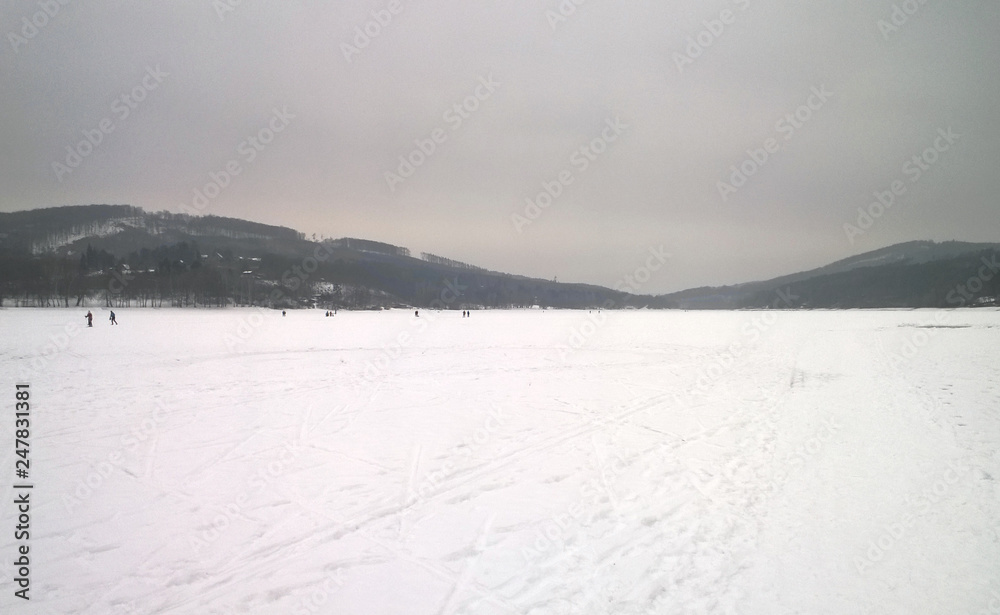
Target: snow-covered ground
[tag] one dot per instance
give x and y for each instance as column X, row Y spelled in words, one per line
column 233, row 461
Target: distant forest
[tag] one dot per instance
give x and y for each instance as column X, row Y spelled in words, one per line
column 184, row 275
column 122, row 256
column 172, row 275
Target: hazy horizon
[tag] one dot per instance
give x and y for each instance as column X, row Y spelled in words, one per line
column 564, row 139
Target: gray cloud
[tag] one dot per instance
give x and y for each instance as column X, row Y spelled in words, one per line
column 657, row 185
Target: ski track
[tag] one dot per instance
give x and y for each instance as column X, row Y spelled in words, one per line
column 483, row 470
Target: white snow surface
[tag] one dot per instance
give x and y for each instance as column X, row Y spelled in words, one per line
column 528, row 462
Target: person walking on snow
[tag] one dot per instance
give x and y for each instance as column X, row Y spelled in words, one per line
column 113, row 320
column 90, row 319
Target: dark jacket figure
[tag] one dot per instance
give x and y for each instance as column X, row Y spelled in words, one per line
column 113, row 320
column 90, row 319
column 282, row 312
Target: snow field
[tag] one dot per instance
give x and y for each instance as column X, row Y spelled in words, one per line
column 238, row 461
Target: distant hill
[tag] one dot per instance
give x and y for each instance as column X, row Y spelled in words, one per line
column 913, row 274
column 121, row 255
column 120, row 229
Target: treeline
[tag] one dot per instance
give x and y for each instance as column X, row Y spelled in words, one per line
column 172, row 275
column 186, row 274
column 367, row 245
column 447, row 262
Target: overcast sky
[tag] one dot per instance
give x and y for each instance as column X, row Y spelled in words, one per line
column 641, row 108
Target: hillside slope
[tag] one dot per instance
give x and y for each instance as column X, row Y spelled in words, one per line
column 913, row 274
column 123, row 255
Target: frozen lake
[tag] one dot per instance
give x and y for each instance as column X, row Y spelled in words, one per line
column 198, row 461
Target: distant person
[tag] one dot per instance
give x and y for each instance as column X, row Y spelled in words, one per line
column 282, row 312
column 113, row 320
column 416, row 313
column 90, row 319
